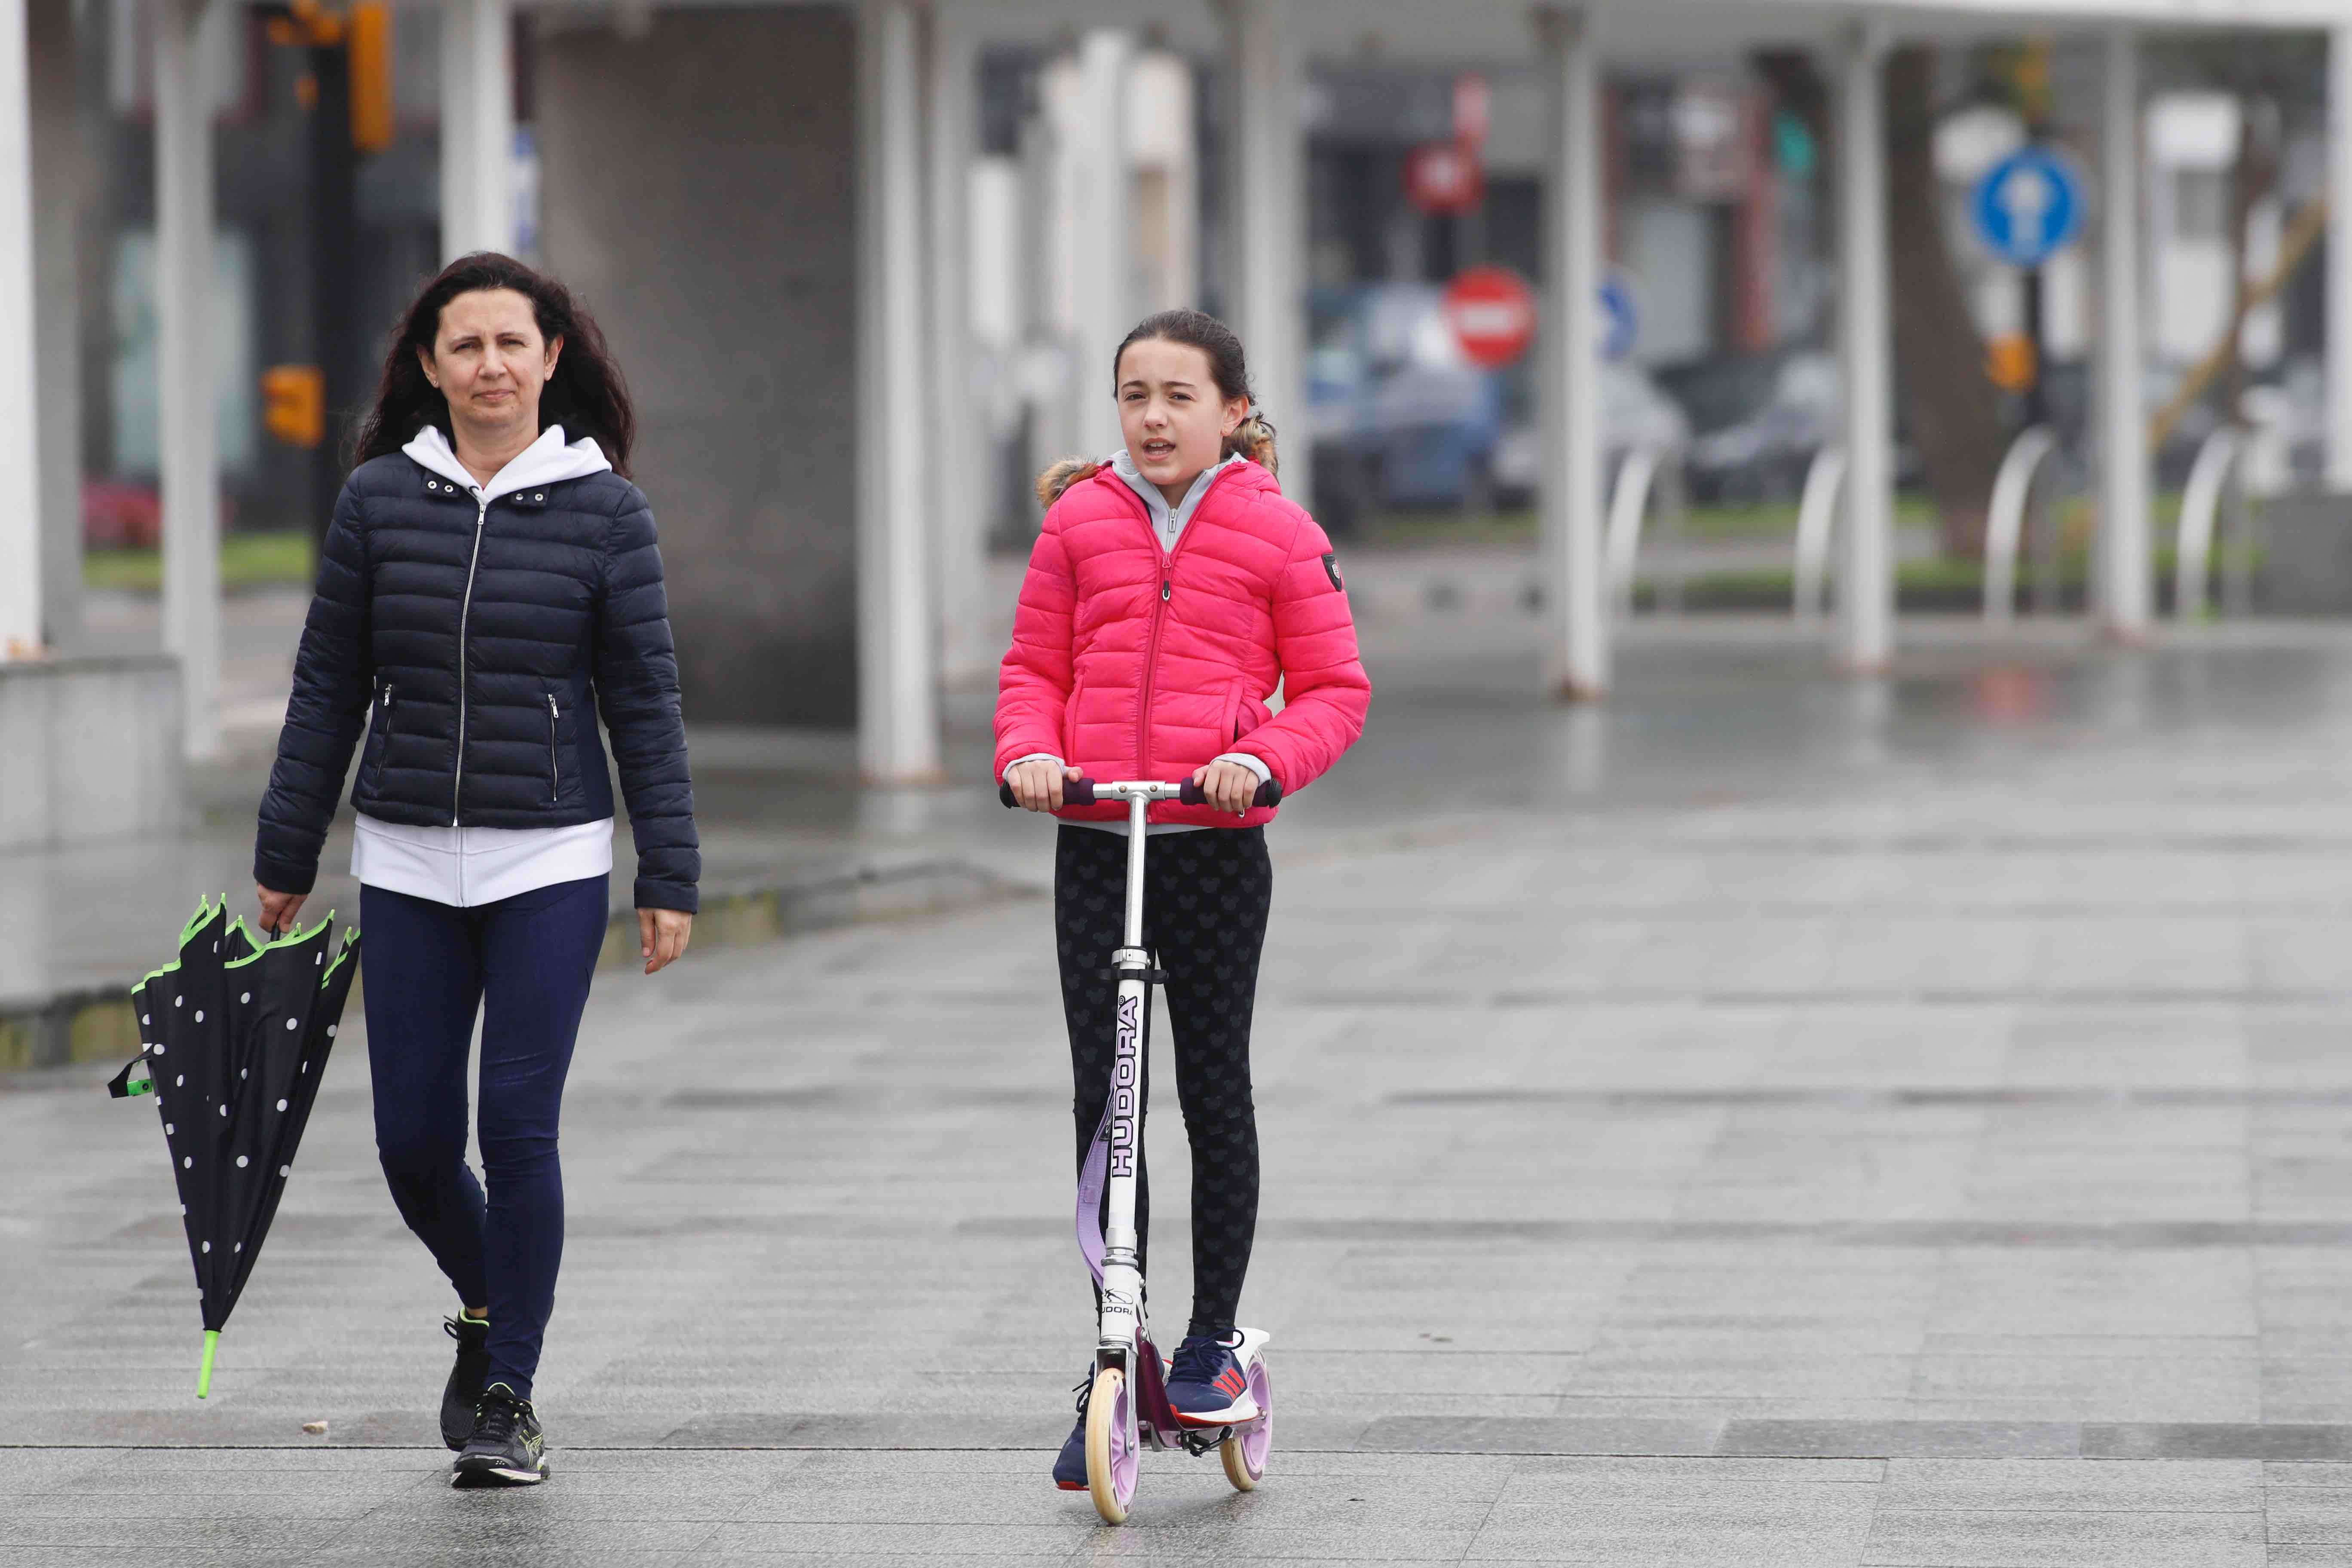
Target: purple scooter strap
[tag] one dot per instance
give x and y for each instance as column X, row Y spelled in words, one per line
column 1091, row 1177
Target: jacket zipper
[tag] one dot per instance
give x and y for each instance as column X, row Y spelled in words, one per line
column 1159, row 615
column 554, row 757
column 384, row 752
column 465, row 612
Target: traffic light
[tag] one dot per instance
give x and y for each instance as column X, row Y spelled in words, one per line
column 368, row 53
column 364, row 33
column 2012, row 362
column 294, row 404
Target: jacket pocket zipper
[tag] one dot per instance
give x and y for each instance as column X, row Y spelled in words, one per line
column 554, row 753
column 383, row 751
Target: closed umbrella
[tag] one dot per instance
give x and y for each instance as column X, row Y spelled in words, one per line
column 236, row 1033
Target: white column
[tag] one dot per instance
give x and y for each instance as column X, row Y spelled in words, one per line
column 476, row 127
column 1104, row 271
column 1575, row 607
column 2123, row 555
column 57, row 182
column 1267, row 220
column 897, row 705
column 2339, row 258
column 1866, row 587
column 961, row 470
column 183, row 280
column 20, row 488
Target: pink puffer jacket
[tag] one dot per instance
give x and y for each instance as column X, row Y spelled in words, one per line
column 1131, row 663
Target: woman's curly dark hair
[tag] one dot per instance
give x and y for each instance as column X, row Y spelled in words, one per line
column 585, row 395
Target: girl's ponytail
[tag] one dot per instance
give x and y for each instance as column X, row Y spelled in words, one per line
column 1062, row 476
column 1254, row 439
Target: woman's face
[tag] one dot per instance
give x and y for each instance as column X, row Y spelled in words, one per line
column 491, row 363
column 1170, row 412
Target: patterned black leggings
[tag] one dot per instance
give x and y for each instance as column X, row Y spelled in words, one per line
column 1204, row 907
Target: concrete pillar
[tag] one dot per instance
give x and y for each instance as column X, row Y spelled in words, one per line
column 2339, row 258
column 1575, row 605
column 1103, row 270
column 183, row 277
column 897, row 703
column 476, row 127
column 960, row 477
column 1267, row 220
column 2125, row 559
column 20, row 490
column 1866, row 584
column 1163, row 147
column 57, row 164
column 718, row 294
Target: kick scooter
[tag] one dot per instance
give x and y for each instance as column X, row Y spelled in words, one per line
column 1127, row 1405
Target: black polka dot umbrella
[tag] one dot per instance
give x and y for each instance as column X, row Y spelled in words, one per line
column 237, row 1032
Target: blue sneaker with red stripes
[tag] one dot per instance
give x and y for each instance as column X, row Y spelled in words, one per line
column 1207, row 1384
column 1070, row 1464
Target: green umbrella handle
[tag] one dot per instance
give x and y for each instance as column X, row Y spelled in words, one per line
column 204, row 1373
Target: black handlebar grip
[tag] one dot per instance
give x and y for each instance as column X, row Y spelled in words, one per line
column 1268, row 793
column 1075, row 792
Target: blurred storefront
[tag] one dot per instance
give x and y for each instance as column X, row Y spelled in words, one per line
column 867, row 264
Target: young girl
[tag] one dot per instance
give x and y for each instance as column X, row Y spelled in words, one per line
column 1171, row 590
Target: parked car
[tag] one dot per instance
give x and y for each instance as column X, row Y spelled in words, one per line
column 1398, row 417
column 1762, row 418
column 1763, row 454
column 1634, row 413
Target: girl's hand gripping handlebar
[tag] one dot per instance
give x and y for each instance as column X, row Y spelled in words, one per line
column 1085, row 792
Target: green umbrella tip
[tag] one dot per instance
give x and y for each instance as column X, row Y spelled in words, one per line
column 204, row 1373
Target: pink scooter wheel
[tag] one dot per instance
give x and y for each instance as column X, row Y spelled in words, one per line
column 1111, row 1457
column 1245, row 1451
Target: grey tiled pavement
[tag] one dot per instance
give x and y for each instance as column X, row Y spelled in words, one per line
column 1772, row 1120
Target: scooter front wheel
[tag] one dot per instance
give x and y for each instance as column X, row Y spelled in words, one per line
column 1245, row 1451
column 1111, row 1445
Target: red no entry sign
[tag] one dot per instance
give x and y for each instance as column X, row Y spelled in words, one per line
column 1444, row 178
column 1493, row 314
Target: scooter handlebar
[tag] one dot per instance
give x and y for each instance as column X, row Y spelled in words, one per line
column 1081, row 792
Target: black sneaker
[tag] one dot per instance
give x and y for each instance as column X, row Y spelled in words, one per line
column 1070, row 1464
column 465, row 1389
column 508, row 1448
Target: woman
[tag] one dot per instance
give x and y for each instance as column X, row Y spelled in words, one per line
column 1169, row 593
column 489, row 576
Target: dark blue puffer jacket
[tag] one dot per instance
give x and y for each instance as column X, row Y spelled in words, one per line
column 474, row 678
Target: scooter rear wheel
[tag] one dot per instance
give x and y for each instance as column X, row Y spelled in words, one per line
column 1244, row 1453
column 1111, row 1445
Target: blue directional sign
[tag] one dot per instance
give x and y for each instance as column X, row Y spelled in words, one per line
column 1621, row 321
column 2029, row 206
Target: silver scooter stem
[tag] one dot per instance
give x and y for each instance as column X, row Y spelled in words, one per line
column 1122, row 1281
column 1136, row 831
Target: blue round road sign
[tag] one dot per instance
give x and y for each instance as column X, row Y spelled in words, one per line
column 2029, row 206
column 1621, row 317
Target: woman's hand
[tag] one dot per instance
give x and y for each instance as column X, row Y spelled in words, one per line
column 1038, row 785
column 278, row 909
column 1228, row 786
column 662, row 936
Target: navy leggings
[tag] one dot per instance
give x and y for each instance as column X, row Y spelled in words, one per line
column 430, row 968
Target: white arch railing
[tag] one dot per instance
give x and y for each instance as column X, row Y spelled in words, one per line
column 2012, row 495
column 2220, row 461
column 1816, row 521
column 1629, row 503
